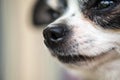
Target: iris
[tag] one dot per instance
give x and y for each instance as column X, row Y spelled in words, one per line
column 104, row 4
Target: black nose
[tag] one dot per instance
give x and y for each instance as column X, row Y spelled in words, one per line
column 55, row 33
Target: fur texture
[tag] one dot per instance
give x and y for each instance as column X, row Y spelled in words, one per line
column 92, row 46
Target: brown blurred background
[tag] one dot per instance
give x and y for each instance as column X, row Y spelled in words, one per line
column 23, row 54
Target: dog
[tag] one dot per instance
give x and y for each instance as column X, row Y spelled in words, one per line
column 85, row 37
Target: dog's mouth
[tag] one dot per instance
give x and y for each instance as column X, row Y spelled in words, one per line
column 74, row 58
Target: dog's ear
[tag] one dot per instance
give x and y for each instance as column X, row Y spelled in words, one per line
column 43, row 14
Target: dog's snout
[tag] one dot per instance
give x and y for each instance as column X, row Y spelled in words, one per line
column 55, row 33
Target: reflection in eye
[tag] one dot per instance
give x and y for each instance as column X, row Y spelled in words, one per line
column 103, row 4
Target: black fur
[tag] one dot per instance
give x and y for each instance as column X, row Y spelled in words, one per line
column 44, row 14
column 107, row 18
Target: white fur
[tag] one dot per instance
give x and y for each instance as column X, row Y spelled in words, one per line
column 101, row 41
column 53, row 4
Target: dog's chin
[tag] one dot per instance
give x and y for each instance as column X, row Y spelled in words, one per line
column 73, row 59
column 65, row 57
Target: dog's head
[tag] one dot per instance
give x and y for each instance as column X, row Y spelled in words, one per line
column 86, row 34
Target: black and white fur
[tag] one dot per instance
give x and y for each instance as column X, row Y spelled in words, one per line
column 92, row 44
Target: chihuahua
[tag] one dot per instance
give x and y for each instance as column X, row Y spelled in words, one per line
column 84, row 35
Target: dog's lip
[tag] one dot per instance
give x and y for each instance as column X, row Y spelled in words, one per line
column 73, row 58
column 69, row 58
column 77, row 58
column 80, row 58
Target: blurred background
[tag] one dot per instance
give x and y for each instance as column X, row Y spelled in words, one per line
column 23, row 56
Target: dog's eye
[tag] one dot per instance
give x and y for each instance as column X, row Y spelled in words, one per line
column 104, row 4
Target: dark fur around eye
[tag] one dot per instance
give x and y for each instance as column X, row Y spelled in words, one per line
column 63, row 5
column 39, row 13
column 43, row 14
column 108, row 18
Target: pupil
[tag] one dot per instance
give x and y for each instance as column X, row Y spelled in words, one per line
column 105, row 4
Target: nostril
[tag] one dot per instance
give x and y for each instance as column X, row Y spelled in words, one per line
column 54, row 34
